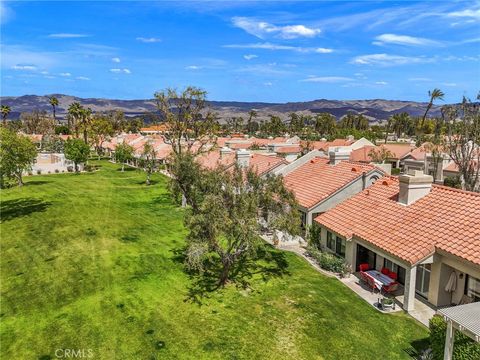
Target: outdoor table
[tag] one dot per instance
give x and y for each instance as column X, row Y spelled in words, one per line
column 380, row 279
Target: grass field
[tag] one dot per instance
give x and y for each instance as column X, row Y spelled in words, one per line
column 93, row 261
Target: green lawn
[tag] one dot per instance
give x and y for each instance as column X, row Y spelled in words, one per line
column 93, row 261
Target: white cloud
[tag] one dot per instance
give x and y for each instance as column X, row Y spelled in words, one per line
column 268, row 83
column 116, row 59
column 270, row 46
column 467, row 13
column 419, row 79
column 381, row 83
column 389, row 60
column 249, row 57
column 65, row 74
column 404, row 40
column 67, row 36
column 44, row 72
column 327, row 79
column 24, row 67
column 148, row 40
column 6, row 13
column 82, row 78
column 118, row 71
column 449, row 84
column 193, row 67
column 261, row 29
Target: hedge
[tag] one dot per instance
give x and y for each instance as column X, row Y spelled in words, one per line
column 464, row 348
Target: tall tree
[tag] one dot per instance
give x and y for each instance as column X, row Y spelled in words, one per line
column 77, row 151
column 17, row 155
column 85, row 122
column 123, row 153
column 252, row 114
column 37, row 122
column 100, row 128
column 226, row 223
column 74, row 113
column 5, row 109
column 380, row 155
column 148, row 159
column 325, row 124
column 191, row 125
column 54, row 103
column 435, row 94
column 463, row 139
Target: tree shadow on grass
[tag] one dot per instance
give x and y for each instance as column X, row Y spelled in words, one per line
column 267, row 263
column 12, row 209
column 417, row 347
column 36, row 182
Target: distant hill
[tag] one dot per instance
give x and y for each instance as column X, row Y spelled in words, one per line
column 375, row 110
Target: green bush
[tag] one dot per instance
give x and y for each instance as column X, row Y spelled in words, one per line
column 396, row 171
column 328, row 261
column 464, row 347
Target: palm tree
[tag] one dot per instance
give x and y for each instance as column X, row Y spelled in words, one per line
column 251, row 114
column 85, row 120
column 5, row 111
column 74, row 113
column 54, row 102
column 435, row 94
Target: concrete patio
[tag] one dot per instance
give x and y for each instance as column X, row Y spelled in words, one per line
column 422, row 312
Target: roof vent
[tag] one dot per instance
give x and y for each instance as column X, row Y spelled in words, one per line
column 413, row 187
column 243, row 158
column 225, row 151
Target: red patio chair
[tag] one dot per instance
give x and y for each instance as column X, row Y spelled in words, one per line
column 385, row 271
column 364, row 277
column 390, row 288
column 371, row 282
column 364, row 267
column 393, row 275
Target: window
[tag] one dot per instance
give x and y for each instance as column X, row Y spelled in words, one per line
column 330, row 243
column 472, row 288
column 340, row 247
column 390, row 265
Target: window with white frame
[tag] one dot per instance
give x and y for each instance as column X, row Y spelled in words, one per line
column 472, row 288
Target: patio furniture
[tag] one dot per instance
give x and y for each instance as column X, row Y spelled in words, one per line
column 371, row 283
column 385, row 271
column 364, row 277
column 387, row 303
column 364, row 267
column 392, row 275
column 391, row 288
column 379, row 278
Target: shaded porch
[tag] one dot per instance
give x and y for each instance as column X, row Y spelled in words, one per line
column 422, row 311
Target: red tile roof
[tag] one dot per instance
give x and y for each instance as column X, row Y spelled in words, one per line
column 443, row 219
column 324, row 145
column 398, row 150
column 315, row 180
column 362, row 154
column 260, row 163
column 289, row 149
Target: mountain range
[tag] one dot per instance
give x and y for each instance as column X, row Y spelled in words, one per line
column 375, row 110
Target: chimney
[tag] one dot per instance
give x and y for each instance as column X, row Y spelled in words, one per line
column 225, row 151
column 338, row 155
column 413, row 187
column 350, row 138
column 243, row 158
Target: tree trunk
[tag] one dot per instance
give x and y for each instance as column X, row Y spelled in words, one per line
column 123, row 167
column 19, row 179
column 85, row 136
column 148, row 178
column 225, row 271
column 76, row 167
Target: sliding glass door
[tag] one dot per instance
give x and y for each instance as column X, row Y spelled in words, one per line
column 423, row 279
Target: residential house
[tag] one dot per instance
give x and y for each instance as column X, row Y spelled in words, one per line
column 319, row 182
column 424, row 233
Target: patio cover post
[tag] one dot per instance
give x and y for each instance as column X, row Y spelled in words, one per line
column 449, row 340
column 409, row 293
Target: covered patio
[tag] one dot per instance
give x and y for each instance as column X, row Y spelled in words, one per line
column 464, row 318
column 423, row 311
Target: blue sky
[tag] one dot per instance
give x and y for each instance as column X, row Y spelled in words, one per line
column 242, row 51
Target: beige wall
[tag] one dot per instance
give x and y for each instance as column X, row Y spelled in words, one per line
column 442, row 267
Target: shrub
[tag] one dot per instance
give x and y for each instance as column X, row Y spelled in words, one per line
column 328, row 261
column 39, row 172
column 453, row 181
column 464, row 347
column 70, row 168
column 396, row 171
column 57, row 171
column 49, row 172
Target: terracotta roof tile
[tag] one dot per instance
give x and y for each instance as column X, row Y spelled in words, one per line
column 317, row 179
column 443, row 219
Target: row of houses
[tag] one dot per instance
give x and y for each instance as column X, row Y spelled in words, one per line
column 423, row 232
